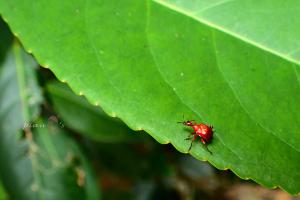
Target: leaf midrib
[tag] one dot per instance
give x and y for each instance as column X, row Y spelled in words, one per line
column 239, row 100
column 176, row 94
column 20, row 71
column 228, row 32
column 248, row 41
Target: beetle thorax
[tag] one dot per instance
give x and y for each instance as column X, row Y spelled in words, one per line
column 201, row 129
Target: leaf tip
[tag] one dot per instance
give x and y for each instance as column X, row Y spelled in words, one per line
column 139, row 128
column 113, row 114
column 16, row 34
column 46, row 66
column 4, row 19
column 29, row 51
column 63, row 80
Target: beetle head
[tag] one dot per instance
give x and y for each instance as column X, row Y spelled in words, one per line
column 188, row 123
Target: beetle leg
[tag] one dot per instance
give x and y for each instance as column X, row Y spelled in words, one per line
column 191, row 136
column 208, row 149
column 194, row 138
column 191, row 146
column 205, row 145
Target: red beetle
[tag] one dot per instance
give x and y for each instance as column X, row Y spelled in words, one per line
column 203, row 131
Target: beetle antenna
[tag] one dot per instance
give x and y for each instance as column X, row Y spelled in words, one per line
column 182, row 120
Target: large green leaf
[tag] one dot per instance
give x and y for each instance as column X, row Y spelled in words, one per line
column 232, row 64
column 38, row 164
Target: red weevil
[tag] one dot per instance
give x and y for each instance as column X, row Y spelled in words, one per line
column 201, row 130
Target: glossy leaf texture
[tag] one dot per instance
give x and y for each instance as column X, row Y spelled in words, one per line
column 85, row 118
column 37, row 161
column 231, row 64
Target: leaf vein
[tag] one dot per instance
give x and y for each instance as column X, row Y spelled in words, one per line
column 238, row 99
